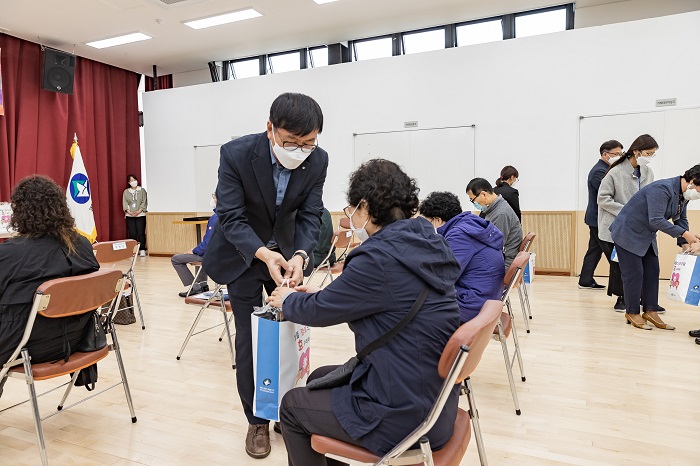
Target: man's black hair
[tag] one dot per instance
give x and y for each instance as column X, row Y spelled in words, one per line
column 297, row 113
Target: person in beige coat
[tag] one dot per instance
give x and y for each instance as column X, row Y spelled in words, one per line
column 135, row 205
column 624, row 179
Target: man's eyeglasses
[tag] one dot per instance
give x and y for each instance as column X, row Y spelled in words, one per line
column 474, row 198
column 292, row 146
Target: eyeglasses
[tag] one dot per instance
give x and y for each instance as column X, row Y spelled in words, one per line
column 616, row 154
column 474, row 198
column 645, row 153
column 292, row 146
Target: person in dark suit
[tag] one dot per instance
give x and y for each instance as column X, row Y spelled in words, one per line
column 610, row 152
column 504, row 188
column 634, row 233
column 269, row 206
column 391, row 389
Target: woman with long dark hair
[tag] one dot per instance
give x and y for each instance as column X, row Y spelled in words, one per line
column 624, row 178
column 46, row 246
column 505, row 188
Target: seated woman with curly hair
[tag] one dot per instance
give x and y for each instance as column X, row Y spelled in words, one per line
column 46, row 247
column 392, row 389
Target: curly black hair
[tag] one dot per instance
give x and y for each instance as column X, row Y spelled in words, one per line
column 441, row 204
column 39, row 209
column 692, row 175
column 389, row 192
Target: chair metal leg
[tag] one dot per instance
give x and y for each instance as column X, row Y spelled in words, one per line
column 527, row 301
column 120, row 363
column 227, row 329
column 35, row 407
column 474, row 415
column 223, row 332
column 509, row 367
column 189, row 334
column 522, row 307
column 197, row 270
column 516, row 342
column 70, row 387
column 135, row 292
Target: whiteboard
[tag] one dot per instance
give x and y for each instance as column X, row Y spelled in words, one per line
column 206, row 175
column 673, row 129
column 440, row 159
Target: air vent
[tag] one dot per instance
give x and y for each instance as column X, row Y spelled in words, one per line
column 172, row 2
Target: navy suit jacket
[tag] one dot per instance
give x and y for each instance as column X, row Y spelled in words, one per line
column 595, row 176
column 247, row 212
column 649, row 211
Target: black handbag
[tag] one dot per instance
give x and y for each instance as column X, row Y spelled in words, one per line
column 87, row 377
column 94, row 336
column 341, row 375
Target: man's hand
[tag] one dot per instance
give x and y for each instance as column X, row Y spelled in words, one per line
column 685, row 247
column 295, row 271
column 275, row 299
column 690, row 237
column 275, row 263
column 695, row 248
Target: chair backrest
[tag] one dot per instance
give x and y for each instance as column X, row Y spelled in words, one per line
column 70, row 296
column 345, row 223
column 342, row 238
column 526, row 243
column 474, row 334
column 108, row 252
column 514, row 272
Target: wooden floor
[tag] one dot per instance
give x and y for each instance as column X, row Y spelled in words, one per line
column 598, row 392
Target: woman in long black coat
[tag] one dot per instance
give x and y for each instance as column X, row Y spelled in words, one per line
column 46, row 247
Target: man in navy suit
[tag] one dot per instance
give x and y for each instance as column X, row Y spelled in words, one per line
column 610, row 151
column 269, row 207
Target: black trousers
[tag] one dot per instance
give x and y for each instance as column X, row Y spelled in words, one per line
column 305, row 412
column 615, row 286
column 246, row 293
column 136, row 229
column 592, row 257
column 640, row 276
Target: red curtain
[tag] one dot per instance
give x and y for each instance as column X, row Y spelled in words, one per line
column 164, row 82
column 37, row 129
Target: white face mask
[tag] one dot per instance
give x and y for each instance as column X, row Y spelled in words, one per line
column 361, row 233
column 613, row 159
column 643, row 160
column 133, row 183
column 212, row 203
column 691, row 194
column 289, row 159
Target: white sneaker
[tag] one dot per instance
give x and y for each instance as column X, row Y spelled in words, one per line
column 142, row 253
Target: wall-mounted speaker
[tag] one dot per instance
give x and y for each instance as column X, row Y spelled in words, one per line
column 57, row 71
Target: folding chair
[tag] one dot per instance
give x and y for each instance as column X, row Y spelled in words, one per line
column 459, row 359
column 525, row 245
column 216, row 299
column 112, row 252
column 506, row 325
column 341, row 240
column 64, row 297
column 197, row 270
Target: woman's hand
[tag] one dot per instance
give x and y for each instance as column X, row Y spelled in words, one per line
column 307, row 289
column 278, row 295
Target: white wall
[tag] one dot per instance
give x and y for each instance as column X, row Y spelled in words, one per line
column 524, row 95
column 628, row 10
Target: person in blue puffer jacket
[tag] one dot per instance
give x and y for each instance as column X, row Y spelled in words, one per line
column 476, row 244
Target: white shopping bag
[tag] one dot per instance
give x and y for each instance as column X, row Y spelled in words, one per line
column 685, row 280
column 281, row 353
column 529, row 272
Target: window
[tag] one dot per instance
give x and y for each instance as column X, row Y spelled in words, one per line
column 246, row 68
column 425, row 41
column 318, row 57
column 285, row 62
column 479, row 33
column 372, row 48
column 540, row 23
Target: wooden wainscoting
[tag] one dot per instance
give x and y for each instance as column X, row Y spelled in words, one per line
column 166, row 238
column 554, row 244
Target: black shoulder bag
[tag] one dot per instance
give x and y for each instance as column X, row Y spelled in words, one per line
column 342, row 374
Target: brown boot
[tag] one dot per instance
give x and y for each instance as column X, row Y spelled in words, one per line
column 257, row 441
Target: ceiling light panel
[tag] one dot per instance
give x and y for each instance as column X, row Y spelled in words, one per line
column 223, row 19
column 321, row 2
column 119, row 40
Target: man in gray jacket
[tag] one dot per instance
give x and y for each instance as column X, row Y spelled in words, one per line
column 496, row 210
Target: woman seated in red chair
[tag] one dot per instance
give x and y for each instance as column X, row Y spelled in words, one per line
column 391, row 389
column 47, row 246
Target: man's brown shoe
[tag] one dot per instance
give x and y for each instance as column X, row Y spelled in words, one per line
column 257, row 441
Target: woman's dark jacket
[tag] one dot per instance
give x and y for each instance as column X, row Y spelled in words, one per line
column 512, row 197
column 26, row 263
column 394, row 387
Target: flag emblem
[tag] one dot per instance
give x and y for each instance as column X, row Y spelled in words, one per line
column 80, row 188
